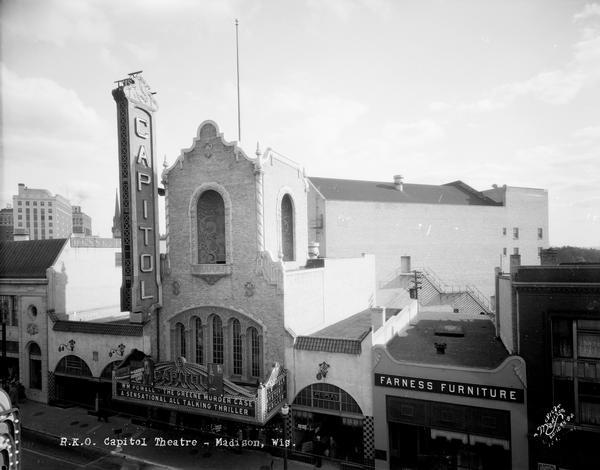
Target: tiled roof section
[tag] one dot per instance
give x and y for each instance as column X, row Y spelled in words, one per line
column 28, row 259
column 355, row 327
column 479, row 346
column 117, row 329
column 457, row 192
column 332, row 345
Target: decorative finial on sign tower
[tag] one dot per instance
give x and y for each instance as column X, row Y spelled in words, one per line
column 257, row 153
column 165, row 165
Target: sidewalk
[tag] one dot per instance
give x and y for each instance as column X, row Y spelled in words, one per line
column 76, row 423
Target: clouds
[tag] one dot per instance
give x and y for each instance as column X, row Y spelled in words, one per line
column 58, row 22
column 554, row 87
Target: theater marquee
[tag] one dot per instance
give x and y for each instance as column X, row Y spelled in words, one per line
column 185, row 387
column 419, row 384
column 140, row 290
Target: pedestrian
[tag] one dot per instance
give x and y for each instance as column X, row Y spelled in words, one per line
column 318, row 450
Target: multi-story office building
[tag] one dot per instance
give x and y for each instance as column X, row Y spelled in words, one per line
column 45, row 215
column 82, row 223
column 6, row 224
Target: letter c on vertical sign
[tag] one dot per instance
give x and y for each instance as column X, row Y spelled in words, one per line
column 141, row 127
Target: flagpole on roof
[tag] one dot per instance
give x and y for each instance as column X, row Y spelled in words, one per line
column 237, row 59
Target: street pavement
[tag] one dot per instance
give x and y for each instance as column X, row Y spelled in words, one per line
column 65, row 438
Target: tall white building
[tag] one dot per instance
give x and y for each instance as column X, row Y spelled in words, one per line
column 44, row 215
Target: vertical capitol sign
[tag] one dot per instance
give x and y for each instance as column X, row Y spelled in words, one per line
column 140, row 288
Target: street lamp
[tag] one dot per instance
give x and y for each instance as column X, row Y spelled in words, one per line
column 285, row 409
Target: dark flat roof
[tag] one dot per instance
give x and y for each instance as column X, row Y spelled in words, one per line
column 477, row 348
column 116, row 329
column 567, row 273
column 29, row 259
column 457, row 192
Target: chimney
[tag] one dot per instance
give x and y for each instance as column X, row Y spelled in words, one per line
column 377, row 317
column 398, row 184
column 549, row 257
column 22, row 188
column 515, row 262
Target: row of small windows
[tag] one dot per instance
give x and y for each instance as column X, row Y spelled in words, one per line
column 516, row 251
column 218, row 344
column 515, row 231
column 20, row 203
column 210, row 212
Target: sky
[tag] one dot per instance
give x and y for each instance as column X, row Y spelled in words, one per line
column 496, row 92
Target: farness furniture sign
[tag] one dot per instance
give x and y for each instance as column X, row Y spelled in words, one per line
column 140, row 290
column 418, row 384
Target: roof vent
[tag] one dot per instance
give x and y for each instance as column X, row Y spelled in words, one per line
column 398, row 182
column 449, row 330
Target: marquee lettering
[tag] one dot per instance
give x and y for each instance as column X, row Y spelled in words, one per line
column 141, row 127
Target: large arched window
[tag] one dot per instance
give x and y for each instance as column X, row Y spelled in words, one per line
column 180, row 338
column 236, row 333
column 35, row 366
column 287, row 228
column 199, row 341
column 254, row 352
column 217, row 340
column 211, row 228
column 74, row 366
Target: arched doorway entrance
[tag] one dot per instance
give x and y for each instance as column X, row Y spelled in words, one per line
column 328, row 422
column 74, row 382
column 35, row 366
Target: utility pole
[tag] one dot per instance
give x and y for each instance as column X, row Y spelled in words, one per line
column 416, row 285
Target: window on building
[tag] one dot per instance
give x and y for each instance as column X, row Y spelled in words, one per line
column 19, row 203
column 515, row 251
column 211, row 228
column 503, row 230
column 504, row 252
column 26, row 203
column 588, row 339
column 255, row 352
column 540, row 233
column 199, row 336
column 20, row 217
column 19, row 210
column 49, row 210
column 35, row 203
column 50, row 204
column 236, row 333
column 49, row 217
column 563, row 393
column 180, row 340
column 217, row 340
column 287, row 228
column 589, row 402
column 562, row 337
column 35, row 367
column 42, row 203
column 515, row 233
column 9, row 309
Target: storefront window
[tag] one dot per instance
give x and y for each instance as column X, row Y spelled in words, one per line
column 35, row 367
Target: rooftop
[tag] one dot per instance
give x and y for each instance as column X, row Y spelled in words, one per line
column 470, row 341
column 456, row 193
column 562, row 273
column 343, row 337
column 29, row 259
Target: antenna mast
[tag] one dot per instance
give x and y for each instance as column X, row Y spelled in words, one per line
column 237, row 58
